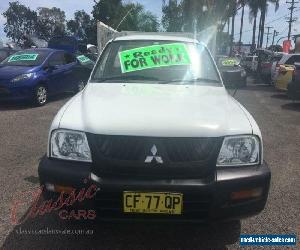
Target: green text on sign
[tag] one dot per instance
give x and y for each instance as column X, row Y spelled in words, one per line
column 154, row 56
column 23, row 57
column 83, row 59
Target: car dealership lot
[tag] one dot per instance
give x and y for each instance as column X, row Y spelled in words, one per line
column 23, row 139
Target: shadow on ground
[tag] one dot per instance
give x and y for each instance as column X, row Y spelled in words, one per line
column 105, row 235
column 293, row 106
column 261, row 88
column 281, row 96
column 18, row 105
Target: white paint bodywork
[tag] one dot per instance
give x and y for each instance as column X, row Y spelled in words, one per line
column 157, row 110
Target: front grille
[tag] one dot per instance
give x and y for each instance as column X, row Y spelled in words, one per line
column 126, row 155
column 187, row 150
column 130, row 148
column 196, row 206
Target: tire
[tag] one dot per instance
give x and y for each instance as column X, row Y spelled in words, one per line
column 40, row 95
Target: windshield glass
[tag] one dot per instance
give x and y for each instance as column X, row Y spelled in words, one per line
column 26, row 58
column 156, row 62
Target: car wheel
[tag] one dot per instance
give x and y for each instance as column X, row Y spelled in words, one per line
column 40, row 95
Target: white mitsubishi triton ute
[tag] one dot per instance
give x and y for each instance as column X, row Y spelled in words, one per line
column 158, row 135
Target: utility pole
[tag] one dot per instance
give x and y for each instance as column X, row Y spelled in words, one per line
column 291, row 19
column 268, row 33
column 275, row 33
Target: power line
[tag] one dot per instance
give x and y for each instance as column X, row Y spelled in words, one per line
column 275, row 33
column 268, row 33
column 272, row 21
column 291, row 19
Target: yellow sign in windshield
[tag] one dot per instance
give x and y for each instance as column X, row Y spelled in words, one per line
column 229, row 62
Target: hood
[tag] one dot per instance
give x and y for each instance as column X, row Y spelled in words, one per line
column 9, row 72
column 155, row 110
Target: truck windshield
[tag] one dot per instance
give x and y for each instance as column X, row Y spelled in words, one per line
column 156, row 62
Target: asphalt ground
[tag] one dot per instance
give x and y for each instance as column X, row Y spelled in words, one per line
column 23, row 141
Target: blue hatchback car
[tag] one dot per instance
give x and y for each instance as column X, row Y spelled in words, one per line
column 35, row 74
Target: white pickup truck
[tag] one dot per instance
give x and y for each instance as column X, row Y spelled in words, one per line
column 160, row 137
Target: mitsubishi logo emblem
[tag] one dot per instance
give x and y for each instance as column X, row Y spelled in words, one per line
column 154, row 156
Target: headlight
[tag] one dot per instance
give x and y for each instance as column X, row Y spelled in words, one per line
column 22, row 77
column 70, row 145
column 239, row 151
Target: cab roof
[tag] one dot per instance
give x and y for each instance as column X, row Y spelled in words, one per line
column 156, row 38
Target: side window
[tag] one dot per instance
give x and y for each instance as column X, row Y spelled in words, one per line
column 290, row 61
column 57, row 59
column 69, row 58
column 293, row 59
column 297, row 59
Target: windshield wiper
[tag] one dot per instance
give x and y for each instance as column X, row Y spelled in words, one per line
column 183, row 81
column 131, row 77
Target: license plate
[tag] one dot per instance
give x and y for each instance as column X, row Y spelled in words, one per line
column 152, row 202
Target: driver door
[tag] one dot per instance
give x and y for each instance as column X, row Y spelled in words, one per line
column 56, row 72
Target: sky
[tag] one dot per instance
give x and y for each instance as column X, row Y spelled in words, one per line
column 70, row 6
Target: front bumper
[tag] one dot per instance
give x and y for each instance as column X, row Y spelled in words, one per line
column 204, row 199
column 15, row 93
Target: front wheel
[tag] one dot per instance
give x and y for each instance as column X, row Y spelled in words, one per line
column 40, row 96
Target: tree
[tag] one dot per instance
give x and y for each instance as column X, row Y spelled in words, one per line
column 172, row 19
column 20, row 22
column 264, row 8
column 128, row 16
column 83, row 27
column 107, row 11
column 51, row 22
column 253, row 11
column 242, row 3
column 135, row 18
column 233, row 7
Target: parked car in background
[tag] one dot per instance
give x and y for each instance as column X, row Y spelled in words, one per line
column 264, row 64
column 73, row 45
column 294, row 85
column 232, row 72
column 35, row 74
column 5, row 52
column 83, row 70
column 275, row 66
column 250, row 63
column 285, row 70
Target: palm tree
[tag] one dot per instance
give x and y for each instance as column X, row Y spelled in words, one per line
column 233, row 8
column 242, row 3
column 264, row 8
column 253, row 8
